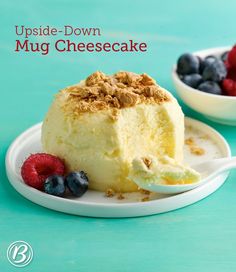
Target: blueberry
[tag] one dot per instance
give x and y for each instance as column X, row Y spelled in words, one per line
column 216, row 71
column 77, row 183
column 55, row 185
column 188, row 64
column 192, row 80
column 224, row 56
column 201, row 65
column 207, row 61
column 210, row 87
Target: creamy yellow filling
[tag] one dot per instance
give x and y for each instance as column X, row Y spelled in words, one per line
column 104, row 145
column 163, row 170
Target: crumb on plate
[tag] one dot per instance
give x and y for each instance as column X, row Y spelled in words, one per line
column 143, row 191
column 120, row 196
column 197, row 150
column 146, row 198
column 109, row 192
column 189, row 141
column 194, row 149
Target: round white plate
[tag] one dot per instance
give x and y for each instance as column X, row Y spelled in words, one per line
column 96, row 204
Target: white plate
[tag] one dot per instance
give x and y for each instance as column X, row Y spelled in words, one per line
column 94, row 203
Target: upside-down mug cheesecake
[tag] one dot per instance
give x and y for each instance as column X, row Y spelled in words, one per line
column 105, row 123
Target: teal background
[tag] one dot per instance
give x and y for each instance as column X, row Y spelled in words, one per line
column 201, row 237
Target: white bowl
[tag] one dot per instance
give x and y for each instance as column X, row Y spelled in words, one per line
column 218, row 108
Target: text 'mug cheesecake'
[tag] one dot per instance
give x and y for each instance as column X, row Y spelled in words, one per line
column 104, row 123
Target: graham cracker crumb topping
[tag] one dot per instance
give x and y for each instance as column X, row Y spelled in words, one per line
column 121, row 90
column 147, row 162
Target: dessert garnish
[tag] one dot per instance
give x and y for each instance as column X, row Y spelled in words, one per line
column 122, row 90
column 77, row 183
column 55, row 185
column 45, row 172
column 38, row 167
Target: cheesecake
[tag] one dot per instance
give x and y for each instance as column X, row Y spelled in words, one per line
column 104, row 122
column 161, row 170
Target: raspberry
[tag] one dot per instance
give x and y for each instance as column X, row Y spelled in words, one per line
column 232, row 57
column 229, row 86
column 231, row 74
column 227, row 65
column 38, row 167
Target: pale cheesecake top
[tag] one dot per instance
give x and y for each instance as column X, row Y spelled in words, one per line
column 121, row 90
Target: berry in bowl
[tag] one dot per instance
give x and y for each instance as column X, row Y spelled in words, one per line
column 206, row 82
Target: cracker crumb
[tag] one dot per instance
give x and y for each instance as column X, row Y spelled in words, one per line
column 120, row 196
column 114, row 114
column 147, row 162
column 196, row 150
column 189, row 141
column 110, row 192
column 146, row 198
column 121, row 90
column 145, row 192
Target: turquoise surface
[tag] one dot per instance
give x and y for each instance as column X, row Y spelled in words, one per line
column 201, row 237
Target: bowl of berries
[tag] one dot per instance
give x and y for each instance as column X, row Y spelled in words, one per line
column 206, row 82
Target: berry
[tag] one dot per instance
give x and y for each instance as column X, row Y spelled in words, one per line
column 229, row 86
column 55, row 185
column 77, row 183
column 232, row 57
column 231, row 74
column 224, row 56
column 206, row 62
column 201, row 65
column 216, row 71
column 38, row 167
column 188, row 64
column 210, row 87
column 227, row 65
column 192, row 80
